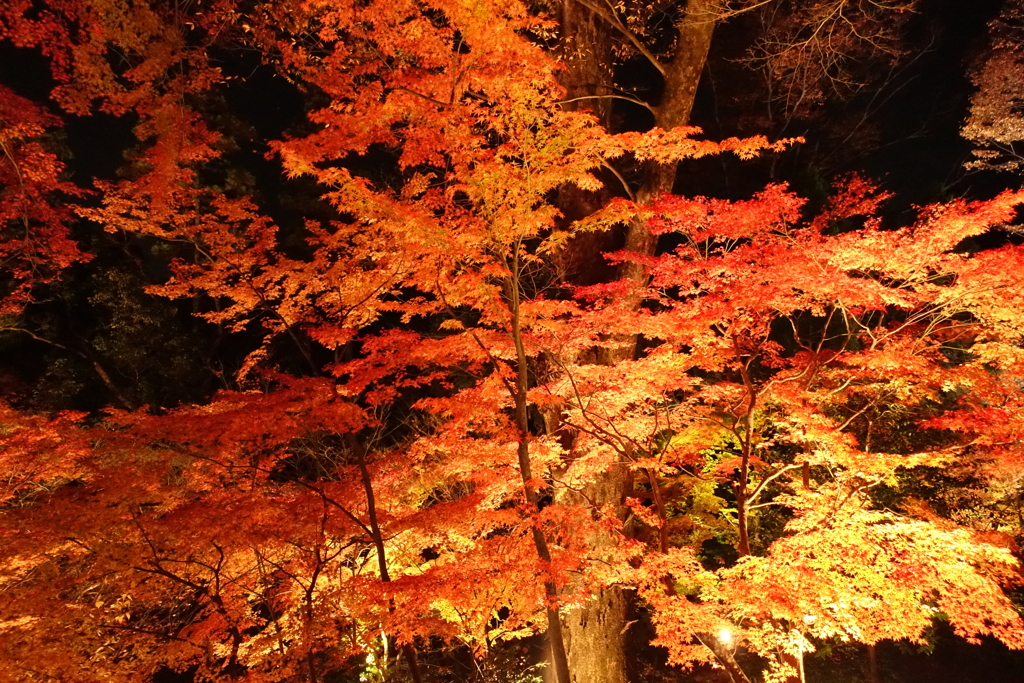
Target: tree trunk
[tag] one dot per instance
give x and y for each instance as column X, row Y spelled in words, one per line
column 681, row 78
column 556, row 641
column 797, row 662
column 408, row 650
column 725, row 656
column 585, row 48
column 594, row 637
column 595, row 632
column 872, row 664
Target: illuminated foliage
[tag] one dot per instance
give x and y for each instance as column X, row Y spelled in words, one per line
column 776, row 349
column 996, row 122
column 34, row 242
column 401, row 483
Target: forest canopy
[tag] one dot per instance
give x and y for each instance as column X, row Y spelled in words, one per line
column 579, row 341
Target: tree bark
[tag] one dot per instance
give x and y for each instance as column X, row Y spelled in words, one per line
column 408, row 650
column 594, row 638
column 681, row 78
column 585, row 48
column 724, row 655
column 797, row 662
column 595, row 632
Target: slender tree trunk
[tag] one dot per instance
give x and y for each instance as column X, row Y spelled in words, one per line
column 745, row 435
column 556, row 642
column 872, row 664
column 408, row 651
column 724, row 655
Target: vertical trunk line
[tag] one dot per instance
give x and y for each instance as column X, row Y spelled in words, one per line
column 378, row 542
column 796, row 661
column 722, row 652
column 662, row 514
column 556, row 640
column 746, row 441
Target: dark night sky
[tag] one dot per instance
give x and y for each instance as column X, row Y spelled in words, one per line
column 918, row 153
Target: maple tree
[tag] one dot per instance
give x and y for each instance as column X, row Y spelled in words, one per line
column 404, row 489
column 776, row 351
column 804, row 50
column 35, row 244
column 239, row 260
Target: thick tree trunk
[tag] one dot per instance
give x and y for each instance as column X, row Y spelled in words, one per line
column 682, row 76
column 594, row 635
column 585, row 48
column 595, row 632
